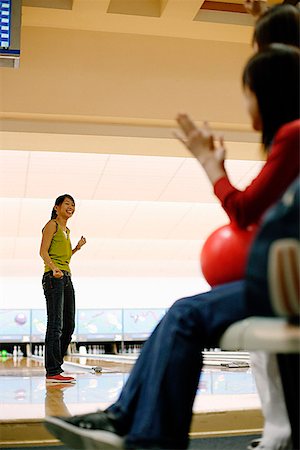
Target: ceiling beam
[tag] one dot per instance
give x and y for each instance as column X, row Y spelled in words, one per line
column 113, row 126
column 120, row 145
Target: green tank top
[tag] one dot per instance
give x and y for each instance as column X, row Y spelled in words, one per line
column 60, row 250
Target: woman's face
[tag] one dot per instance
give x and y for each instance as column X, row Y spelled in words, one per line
column 66, row 209
column 253, row 109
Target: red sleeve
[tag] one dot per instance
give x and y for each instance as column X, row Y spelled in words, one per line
column 281, row 168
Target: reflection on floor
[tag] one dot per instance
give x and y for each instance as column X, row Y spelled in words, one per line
column 224, row 396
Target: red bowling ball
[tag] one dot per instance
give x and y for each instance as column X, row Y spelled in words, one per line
column 224, row 254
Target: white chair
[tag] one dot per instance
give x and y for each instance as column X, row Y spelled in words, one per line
column 276, row 334
column 271, row 334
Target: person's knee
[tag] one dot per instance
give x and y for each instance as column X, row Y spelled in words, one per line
column 183, row 304
column 184, row 309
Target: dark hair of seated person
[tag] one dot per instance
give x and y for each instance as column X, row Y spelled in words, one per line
column 273, row 75
column 280, row 23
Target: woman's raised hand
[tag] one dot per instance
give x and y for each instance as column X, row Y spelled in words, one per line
column 81, row 242
column 200, row 142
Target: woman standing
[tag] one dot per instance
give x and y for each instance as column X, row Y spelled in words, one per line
column 56, row 251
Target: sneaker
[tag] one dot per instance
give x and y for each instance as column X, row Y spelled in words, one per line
column 94, row 431
column 255, row 444
column 59, row 379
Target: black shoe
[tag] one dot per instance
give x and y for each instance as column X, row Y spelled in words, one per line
column 95, row 431
column 254, row 444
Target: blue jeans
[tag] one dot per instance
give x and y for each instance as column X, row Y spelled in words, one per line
column 60, row 301
column 155, row 405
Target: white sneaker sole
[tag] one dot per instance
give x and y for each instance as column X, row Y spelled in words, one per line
column 82, row 438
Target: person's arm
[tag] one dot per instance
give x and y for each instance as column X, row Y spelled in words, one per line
column 282, row 166
column 48, row 233
column 246, row 207
column 81, row 242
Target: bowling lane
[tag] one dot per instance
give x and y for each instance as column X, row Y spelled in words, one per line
column 26, row 395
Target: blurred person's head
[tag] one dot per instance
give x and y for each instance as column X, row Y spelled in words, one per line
column 279, row 24
column 271, row 83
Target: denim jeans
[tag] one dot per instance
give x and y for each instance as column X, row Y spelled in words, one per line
column 155, row 406
column 60, row 301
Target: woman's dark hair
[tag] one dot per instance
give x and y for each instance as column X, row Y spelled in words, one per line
column 279, row 24
column 273, row 76
column 59, row 201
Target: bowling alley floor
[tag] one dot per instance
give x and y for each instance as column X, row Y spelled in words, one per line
column 226, row 403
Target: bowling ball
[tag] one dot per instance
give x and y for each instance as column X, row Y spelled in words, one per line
column 4, row 353
column 225, row 252
column 20, row 319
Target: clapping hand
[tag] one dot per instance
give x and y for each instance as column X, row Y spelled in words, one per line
column 200, row 141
